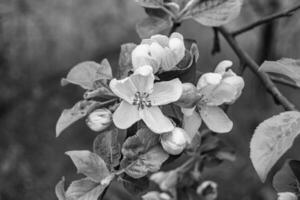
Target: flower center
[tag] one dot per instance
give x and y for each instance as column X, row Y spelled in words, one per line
column 141, row 99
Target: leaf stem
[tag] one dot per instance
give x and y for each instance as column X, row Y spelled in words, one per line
column 266, row 19
column 265, row 78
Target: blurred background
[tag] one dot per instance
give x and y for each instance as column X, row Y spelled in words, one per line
column 40, row 40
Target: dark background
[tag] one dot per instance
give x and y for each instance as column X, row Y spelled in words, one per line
column 40, row 40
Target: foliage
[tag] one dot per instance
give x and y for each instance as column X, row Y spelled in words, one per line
column 149, row 115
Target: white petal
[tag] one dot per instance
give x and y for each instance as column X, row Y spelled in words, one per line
column 176, row 35
column 223, row 66
column 125, row 115
column 143, row 79
column 140, row 56
column 209, row 79
column 177, row 47
column 123, row 89
column 155, row 120
column 216, row 119
column 161, row 39
column 191, row 124
column 166, row 92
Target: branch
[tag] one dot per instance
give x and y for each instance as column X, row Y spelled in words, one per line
column 267, row 19
column 284, row 82
column 243, row 56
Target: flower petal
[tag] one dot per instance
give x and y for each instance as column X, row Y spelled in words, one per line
column 166, row 92
column 208, row 79
column 191, row 124
column 223, row 66
column 155, row 120
column 123, row 89
column 140, row 56
column 176, row 44
column 143, row 79
column 161, row 39
column 125, row 115
column 215, row 119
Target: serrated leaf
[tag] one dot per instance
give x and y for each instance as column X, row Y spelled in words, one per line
column 60, row 189
column 89, row 164
column 139, row 143
column 285, row 179
column 78, row 111
column 271, row 139
column 216, row 12
column 108, row 147
column 286, row 66
column 86, row 73
column 152, row 25
column 101, row 91
column 148, row 162
column 150, row 3
column 84, row 189
column 125, row 61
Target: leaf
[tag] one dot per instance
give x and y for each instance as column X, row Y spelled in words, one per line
column 148, row 162
column 152, row 25
column 85, row 189
column 78, row 111
column 135, row 186
column 150, row 3
column 108, row 147
column 125, row 61
column 89, row 164
column 101, row 91
column 86, row 73
column 285, row 179
column 153, row 195
column 285, row 66
column 271, row 139
column 139, row 143
column 60, row 189
column 216, row 12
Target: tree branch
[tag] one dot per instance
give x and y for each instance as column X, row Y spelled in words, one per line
column 265, row 20
column 271, row 87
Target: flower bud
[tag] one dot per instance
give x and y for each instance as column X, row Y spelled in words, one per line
column 208, row 190
column 189, row 96
column 286, row 196
column 99, row 119
column 174, row 142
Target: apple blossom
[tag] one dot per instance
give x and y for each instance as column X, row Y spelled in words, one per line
column 160, row 52
column 174, row 142
column 99, row 119
column 142, row 98
column 208, row 190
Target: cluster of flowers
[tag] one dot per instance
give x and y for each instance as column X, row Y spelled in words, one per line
column 143, row 95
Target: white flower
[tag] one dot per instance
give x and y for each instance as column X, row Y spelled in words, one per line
column 160, row 52
column 174, row 142
column 99, row 119
column 216, row 89
column 142, row 98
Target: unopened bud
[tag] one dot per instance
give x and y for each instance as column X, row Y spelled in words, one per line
column 189, row 96
column 286, row 196
column 99, row 119
column 174, row 142
column 208, row 190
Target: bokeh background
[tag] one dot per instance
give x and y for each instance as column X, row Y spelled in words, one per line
column 40, row 40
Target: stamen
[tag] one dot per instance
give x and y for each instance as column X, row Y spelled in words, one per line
column 141, row 100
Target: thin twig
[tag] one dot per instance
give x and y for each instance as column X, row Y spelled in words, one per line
column 271, row 87
column 284, row 82
column 267, row 19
